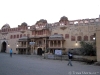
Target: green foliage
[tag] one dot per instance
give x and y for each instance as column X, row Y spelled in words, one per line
column 88, row 48
column 47, row 50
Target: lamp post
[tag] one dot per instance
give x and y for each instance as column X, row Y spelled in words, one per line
column 28, row 47
column 17, row 47
column 93, row 38
column 8, row 46
column 76, row 44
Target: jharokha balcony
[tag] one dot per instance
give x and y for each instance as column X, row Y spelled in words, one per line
column 56, row 41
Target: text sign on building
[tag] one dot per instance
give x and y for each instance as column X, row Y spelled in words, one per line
column 32, row 43
column 58, row 52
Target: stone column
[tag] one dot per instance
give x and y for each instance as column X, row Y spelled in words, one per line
column 61, row 43
column 20, row 43
column 45, row 44
column 26, row 51
column 53, row 43
column 31, row 48
column 49, row 43
column 57, row 43
column 34, row 47
column 26, row 43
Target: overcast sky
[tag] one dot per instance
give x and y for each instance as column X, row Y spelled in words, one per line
column 14, row 12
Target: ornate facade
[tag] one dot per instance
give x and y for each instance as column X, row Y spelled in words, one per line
column 64, row 35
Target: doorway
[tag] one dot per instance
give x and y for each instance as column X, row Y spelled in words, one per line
column 39, row 51
column 4, row 47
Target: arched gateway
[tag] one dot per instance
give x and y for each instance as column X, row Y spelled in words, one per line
column 39, row 51
column 4, row 47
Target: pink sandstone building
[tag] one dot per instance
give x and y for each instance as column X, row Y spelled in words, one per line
column 62, row 35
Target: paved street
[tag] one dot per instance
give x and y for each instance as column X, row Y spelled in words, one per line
column 36, row 65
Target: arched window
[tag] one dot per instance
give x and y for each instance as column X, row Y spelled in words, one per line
column 20, row 35
column 85, row 38
column 17, row 36
column 79, row 38
column 66, row 36
column 91, row 38
column 14, row 36
column 11, row 36
column 72, row 38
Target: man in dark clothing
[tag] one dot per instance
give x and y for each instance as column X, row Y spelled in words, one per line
column 70, row 57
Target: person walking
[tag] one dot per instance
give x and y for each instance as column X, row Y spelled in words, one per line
column 11, row 52
column 70, row 57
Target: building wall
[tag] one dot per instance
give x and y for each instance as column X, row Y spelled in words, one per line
column 78, row 30
column 98, row 44
column 81, row 29
column 12, row 41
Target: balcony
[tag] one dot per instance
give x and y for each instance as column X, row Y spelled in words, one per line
column 22, row 30
column 63, row 27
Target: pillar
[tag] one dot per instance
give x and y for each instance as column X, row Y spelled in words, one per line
column 19, row 44
column 57, row 43
column 53, row 43
column 26, row 43
column 61, row 43
column 26, row 51
column 49, row 43
column 34, row 47
column 45, row 44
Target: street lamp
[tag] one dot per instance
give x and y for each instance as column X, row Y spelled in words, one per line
column 8, row 45
column 93, row 38
column 76, row 43
column 17, row 45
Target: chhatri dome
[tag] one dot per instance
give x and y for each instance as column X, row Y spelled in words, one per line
column 6, row 26
column 64, row 18
column 24, row 24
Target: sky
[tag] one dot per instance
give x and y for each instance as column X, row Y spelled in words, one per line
column 15, row 12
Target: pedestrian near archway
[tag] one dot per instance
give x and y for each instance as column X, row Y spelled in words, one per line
column 11, row 52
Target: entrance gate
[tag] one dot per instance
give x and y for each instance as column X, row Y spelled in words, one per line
column 4, row 45
column 39, row 51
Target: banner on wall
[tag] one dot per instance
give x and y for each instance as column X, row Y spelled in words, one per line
column 58, row 52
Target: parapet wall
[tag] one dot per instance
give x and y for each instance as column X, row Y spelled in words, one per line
column 84, row 21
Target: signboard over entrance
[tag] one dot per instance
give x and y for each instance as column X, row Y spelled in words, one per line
column 32, row 43
column 58, row 52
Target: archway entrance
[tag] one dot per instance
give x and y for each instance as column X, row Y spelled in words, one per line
column 4, row 45
column 39, row 51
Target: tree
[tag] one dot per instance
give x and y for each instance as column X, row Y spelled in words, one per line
column 88, row 48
